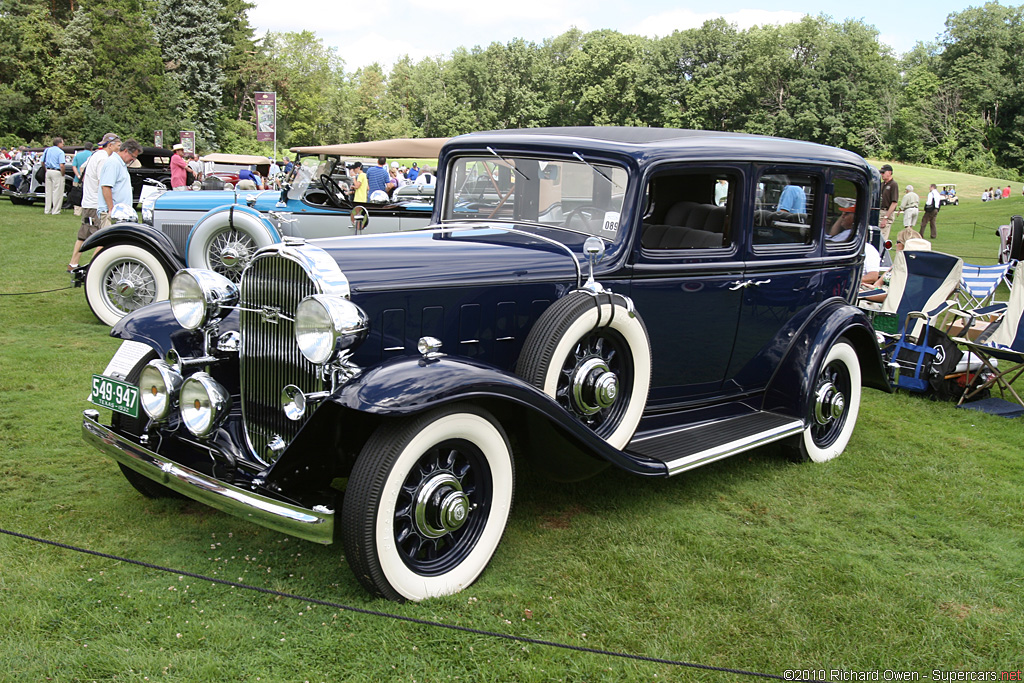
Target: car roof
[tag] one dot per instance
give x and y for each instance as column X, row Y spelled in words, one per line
column 652, row 142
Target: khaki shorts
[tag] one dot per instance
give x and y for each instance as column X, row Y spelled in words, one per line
column 90, row 223
column 105, row 220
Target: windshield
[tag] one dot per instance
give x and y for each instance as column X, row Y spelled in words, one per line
column 306, row 171
column 576, row 195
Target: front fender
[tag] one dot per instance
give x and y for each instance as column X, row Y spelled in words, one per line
column 792, row 387
column 156, row 326
column 142, row 236
column 409, row 385
column 227, row 215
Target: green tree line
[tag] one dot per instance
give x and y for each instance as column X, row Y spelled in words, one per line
column 79, row 69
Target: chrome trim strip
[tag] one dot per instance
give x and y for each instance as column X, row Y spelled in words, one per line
column 315, row 525
column 733, row 447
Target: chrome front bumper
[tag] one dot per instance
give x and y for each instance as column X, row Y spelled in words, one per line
column 315, row 524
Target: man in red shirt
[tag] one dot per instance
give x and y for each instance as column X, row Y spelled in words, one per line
column 178, row 168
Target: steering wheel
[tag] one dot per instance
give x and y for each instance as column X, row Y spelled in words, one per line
column 333, row 189
column 584, row 213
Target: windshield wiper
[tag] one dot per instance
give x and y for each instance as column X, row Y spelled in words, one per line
column 597, row 170
column 510, row 164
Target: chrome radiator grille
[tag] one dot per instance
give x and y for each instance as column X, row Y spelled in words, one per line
column 178, row 233
column 271, row 289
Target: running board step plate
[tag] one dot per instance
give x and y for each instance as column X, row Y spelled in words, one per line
column 695, row 446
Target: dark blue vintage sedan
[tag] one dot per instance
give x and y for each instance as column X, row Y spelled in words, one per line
column 645, row 298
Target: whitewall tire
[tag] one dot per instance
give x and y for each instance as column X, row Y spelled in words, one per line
column 122, row 279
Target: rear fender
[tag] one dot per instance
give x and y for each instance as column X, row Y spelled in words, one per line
column 791, row 389
column 142, row 236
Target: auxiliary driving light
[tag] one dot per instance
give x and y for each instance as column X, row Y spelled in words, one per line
column 158, row 389
column 204, row 404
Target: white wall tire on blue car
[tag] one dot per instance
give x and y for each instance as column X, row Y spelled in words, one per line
column 226, row 240
column 123, row 278
column 594, row 358
column 427, row 503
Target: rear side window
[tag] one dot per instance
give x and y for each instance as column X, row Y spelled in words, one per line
column 784, row 208
column 841, row 211
column 690, row 209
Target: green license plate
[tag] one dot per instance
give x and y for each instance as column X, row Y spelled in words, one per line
column 120, row 397
column 886, row 322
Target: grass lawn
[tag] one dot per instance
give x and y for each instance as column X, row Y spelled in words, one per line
column 904, row 553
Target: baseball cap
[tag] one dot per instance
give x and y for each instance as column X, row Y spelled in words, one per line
column 910, row 188
column 846, row 204
column 107, row 139
column 886, row 167
column 394, row 164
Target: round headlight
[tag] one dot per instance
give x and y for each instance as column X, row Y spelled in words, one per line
column 158, row 389
column 201, row 297
column 204, row 404
column 326, row 324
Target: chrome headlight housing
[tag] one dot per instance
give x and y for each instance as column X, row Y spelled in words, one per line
column 158, row 389
column 204, row 404
column 326, row 325
column 148, row 205
column 201, row 297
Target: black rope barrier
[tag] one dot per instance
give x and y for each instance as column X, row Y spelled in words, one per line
column 44, row 291
column 398, row 617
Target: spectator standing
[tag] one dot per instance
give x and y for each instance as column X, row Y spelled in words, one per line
column 426, row 177
column 288, row 166
column 77, row 165
column 109, row 145
column 378, row 177
column 359, row 183
column 53, row 160
column 909, row 207
column 931, row 210
column 1006, row 192
column 196, row 167
column 179, row 168
column 115, row 183
column 792, row 200
column 414, row 171
column 890, row 196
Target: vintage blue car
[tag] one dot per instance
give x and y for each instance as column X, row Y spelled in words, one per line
column 651, row 299
column 221, row 229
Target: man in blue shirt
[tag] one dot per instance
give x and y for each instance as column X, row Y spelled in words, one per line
column 378, row 178
column 115, row 183
column 53, row 160
column 793, row 200
column 413, row 172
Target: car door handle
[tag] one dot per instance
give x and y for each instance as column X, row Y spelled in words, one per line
column 740, row 285
column 758, row 283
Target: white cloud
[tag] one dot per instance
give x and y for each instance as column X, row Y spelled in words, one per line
column 681, row 19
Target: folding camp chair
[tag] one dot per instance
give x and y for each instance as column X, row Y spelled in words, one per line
column 1002, row 340
column 920, row 290
column 978, row 284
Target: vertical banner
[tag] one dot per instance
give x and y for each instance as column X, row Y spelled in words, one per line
column 188, row 141
column 266, row 116
column 158, row 138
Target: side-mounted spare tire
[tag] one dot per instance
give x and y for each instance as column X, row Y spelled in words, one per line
column 1017, row 238
column 226, row 239
column 591, row 353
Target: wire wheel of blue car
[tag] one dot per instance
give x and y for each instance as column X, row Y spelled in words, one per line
column 592, row 355
column 229, row 251
column 427, row 503
column 835, row 405
column 124, row 278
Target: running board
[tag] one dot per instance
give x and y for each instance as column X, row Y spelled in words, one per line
column 692, row 447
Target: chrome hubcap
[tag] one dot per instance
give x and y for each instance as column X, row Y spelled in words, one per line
column 126, row 289
column 129, row 285
column 594, row 386
column 829, row 403
column 441, row 507
column 229, row 253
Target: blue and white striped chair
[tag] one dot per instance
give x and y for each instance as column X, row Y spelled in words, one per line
column 978, row 284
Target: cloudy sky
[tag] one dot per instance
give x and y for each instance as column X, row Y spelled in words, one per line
column 382, row 32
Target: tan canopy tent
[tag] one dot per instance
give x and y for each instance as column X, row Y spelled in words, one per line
column 425, row 148
column 240, row 159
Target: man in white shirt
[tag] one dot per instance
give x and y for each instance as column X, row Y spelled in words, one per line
column 931, row 210
column 110, row 144
column 426, row 177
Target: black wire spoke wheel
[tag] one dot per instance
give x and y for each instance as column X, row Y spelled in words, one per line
column 442, row 507
column 598, row 370
column 831, row 396
column 834, row 406
column 427, row 502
